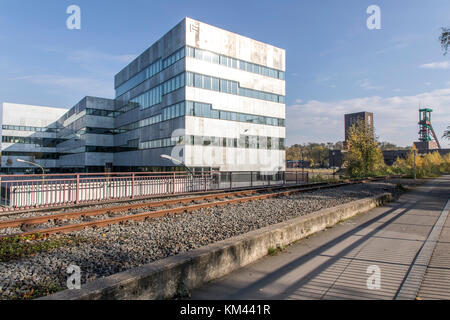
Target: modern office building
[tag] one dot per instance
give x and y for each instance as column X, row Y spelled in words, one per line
column 208, row 97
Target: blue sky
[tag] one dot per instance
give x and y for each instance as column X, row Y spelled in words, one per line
column 335, row 64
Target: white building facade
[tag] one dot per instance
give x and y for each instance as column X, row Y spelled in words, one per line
column 208, row 97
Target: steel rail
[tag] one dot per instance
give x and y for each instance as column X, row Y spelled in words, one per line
column 159, row 213
column 13, row 223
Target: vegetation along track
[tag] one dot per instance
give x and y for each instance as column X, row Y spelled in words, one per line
column 124, row 212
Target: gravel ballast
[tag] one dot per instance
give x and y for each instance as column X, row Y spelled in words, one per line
column 112, row 249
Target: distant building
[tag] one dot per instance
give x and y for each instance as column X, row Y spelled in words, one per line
column 353, row 118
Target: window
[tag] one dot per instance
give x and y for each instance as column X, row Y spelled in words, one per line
column 223, row 60
column 207, row 82
column 234, row 88
column 198, row 54
column 190, row 79
column 223, row 85
column 197, row 80
column 191, row 52
column 206, row 111
column 198, row 109
column 190, row 108
column 215, row 84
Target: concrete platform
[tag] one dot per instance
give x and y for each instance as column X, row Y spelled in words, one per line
column 333, row 264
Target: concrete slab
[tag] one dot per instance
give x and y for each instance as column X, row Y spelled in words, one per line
column 333, row 264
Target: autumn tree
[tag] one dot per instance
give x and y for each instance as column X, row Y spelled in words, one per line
column 364, row 157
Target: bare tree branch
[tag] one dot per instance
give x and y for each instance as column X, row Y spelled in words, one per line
column 445, row 39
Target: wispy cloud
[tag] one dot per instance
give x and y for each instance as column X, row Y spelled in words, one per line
column 395, row 117
column 366, row 84
column 436, row 65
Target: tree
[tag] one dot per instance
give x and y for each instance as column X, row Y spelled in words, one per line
column 364, row 157
column 447, row 133
column 445, row 39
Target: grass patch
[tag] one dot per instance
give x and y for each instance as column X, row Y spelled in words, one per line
column 274, row 251
column 16, row 247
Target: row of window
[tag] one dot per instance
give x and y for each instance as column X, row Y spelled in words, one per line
column 244, row 141
column 211, row 83
column 149, row 121
column 174, row 84
column 161, row 143
column 234, row 63
column 174, row 57
column 228, row 86
column 204, row 110
column 153, row 69
column 174, row 111
column 102, row 112
column 100, row 130
column 149, row 98
column 154, row 95
column 26, row 128
column 38, row 142
column 34, row 155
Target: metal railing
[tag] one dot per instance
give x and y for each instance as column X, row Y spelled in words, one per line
column 23, row 192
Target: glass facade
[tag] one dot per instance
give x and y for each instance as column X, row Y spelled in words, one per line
column 37, row 142
column 244, row 141
column 25, row 128
column 228, row 86
column 102, row 112
column 150, row 71
column 212, row 57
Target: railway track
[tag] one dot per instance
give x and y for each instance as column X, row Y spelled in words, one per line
column 125, row 212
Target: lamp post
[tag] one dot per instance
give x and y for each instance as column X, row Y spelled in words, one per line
column 34, row 164
column 414, row 151
column 165, row 156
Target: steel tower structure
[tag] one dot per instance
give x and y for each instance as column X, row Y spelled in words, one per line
column 426, row 131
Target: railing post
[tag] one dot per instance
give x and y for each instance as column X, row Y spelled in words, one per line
column 132, row 185
column 219, row 179
column 173, row 183
column 78, row 190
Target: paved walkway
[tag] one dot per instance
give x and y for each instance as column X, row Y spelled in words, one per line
column 342, row 262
